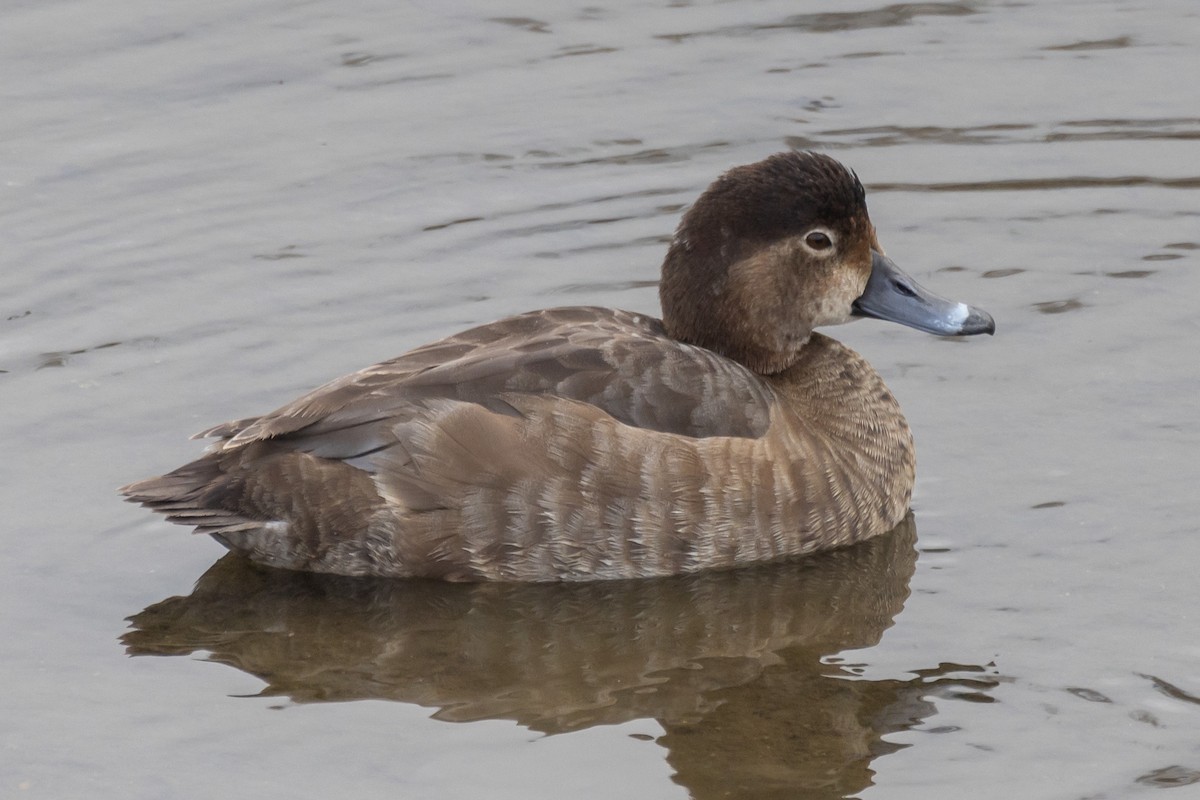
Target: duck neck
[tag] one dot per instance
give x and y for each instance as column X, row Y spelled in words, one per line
column 734, row 316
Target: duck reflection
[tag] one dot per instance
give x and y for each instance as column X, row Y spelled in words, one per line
column 734, row 665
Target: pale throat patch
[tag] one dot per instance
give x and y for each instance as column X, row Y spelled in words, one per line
column 835, row 306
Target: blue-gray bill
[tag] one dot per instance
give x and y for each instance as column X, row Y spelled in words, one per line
column 893, row 295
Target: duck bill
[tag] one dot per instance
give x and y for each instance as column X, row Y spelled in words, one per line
column 893, row 295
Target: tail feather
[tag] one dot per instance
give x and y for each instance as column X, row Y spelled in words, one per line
column 281, row 507
column 183, row 496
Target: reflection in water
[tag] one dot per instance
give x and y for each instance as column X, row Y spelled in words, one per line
column 733, row 665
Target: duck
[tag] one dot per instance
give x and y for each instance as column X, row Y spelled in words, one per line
column 587, row 443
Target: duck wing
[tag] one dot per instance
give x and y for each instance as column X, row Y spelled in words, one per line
column 621, row 363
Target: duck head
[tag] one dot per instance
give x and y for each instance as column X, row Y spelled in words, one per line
column 774, row 249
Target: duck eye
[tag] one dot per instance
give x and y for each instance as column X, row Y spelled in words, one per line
column 818, row 240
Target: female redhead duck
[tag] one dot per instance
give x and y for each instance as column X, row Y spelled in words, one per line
column 588, row 443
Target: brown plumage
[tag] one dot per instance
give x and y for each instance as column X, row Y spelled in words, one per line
column 587, row 443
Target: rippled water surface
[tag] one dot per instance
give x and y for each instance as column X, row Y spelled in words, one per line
column 208, row 208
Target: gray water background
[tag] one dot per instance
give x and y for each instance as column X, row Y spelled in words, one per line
column 206, row 209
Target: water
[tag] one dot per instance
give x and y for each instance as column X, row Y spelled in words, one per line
column 209, row 209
